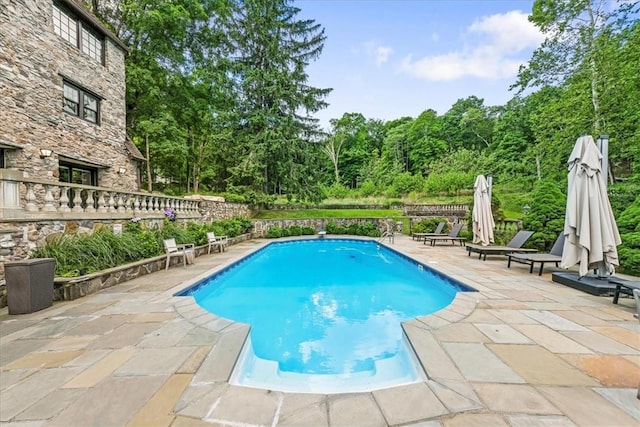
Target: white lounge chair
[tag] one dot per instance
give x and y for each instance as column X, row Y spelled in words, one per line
column 220, row 242
column 186, row 251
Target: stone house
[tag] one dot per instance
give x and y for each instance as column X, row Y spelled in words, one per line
column 62, row 97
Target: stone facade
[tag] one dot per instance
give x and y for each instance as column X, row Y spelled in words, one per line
column 34, row 62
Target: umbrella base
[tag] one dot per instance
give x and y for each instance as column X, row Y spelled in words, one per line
column 589, row 283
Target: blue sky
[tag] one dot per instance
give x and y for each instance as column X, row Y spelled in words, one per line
column 392, row 58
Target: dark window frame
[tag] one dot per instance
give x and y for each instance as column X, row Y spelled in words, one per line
column 67, row 169
column 81, row 27
column 2, row 164
column 82, row 110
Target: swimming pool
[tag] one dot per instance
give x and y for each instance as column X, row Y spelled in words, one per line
column 325, row 314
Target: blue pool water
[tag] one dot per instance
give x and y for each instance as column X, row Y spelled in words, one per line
column 325, row 313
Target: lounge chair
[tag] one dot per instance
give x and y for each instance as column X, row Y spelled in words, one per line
column 186, row 251
column 625, row 286
column 554, row 255
column 453, row 236
column 220, row 242
column 515, row 245
column 437, row 232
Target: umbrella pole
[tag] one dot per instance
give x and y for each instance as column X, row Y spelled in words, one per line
column 603, row 145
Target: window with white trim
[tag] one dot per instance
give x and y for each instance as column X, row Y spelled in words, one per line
column 78, row 33
column 79, row 102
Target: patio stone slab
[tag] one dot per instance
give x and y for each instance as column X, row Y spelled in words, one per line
column 554, row 321
column 579, row 405
column 520, row 420
column 88, row 358
column 199, row 336
column 456, row 396
column 44, row 360
column 127, row 335
column 408, row 403
column 193, row 362
column 481, row 316
column 51, row 405
column 511, row 317
column 303, row 410
column 460, row 332
column 155, row 361
column 599, row 343
column 102, row 369
column 111, row 403
column 219, row 363
column 610, row 370
column 502, row 334
column 153, row 317
column 581, row 318
column 434, row 359
column 622, row 335
column 158, row 411
column 198, row 400
column 235, row 401
column 477, row 363
column 21, row 348
column 539, row 366
column 169, row 334
column 32, row 389
column 100, row 325
column 514, row 398
column 475, row 420
column 70, row 343
column 350, row 410
column 551, row 340
column 624, row 398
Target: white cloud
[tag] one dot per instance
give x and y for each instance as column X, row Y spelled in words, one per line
column 379, row 53
column 490, row 52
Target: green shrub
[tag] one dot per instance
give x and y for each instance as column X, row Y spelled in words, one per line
column 428, row 225
column 629, row 228
column 274, row 233
column 308, row 231
column 334, row 228
column 546, row 215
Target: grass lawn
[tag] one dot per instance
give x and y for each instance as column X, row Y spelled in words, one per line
column 328, row 213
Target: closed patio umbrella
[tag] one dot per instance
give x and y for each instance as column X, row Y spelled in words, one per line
column 482, row 217
column 591, row 233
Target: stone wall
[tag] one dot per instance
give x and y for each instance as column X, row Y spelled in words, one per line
column 34, row 60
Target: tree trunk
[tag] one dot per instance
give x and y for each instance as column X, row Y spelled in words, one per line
column 146, row 151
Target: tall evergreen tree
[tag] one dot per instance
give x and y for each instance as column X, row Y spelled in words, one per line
column 270, row 50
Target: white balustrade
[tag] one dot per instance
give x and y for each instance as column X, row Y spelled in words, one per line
column 41, row 198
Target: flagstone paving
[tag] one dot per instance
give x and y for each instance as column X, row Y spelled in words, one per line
column 523, row 351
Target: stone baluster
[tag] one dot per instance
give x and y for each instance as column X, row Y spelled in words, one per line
column 136, row 205
column 112, row 203
column 64, row 199
column 121, row 203
column 31, row 199
column 77, row 201
column 146, row 204
column 102, row 202
column 153, row 204
column 91, row 197
column 48, row 199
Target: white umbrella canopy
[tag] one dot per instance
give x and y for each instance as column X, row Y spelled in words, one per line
column 591, row 233
column 483, row 223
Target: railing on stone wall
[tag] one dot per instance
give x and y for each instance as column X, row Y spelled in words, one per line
column 451, row 210
column 27, row 199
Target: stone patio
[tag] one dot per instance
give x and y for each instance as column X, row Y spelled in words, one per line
column 523, row 351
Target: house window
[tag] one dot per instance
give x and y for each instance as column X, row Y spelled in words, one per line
column 80, row 103
column 2, row 158
column 77, row 174
column 78, row 33
column 65, row 25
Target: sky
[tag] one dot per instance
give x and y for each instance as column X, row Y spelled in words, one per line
column 388, row 59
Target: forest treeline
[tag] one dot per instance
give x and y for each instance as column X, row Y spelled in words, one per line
column 218, row 100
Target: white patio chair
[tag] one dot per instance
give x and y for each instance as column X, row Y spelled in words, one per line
column 220, row 242
column 186, row 251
